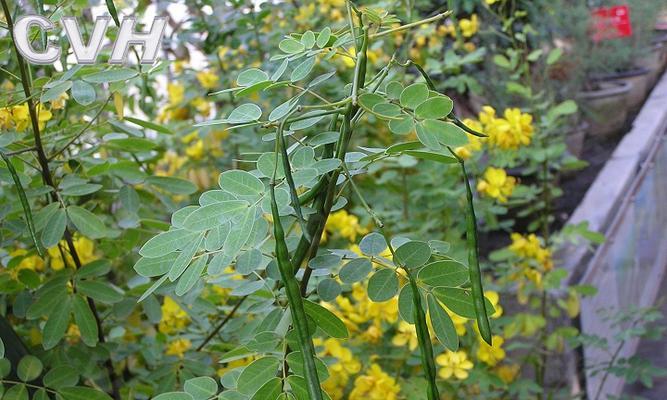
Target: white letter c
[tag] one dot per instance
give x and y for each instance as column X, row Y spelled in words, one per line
column 21, row 31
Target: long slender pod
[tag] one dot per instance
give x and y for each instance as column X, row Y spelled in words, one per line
column 280, row 138
column 471, row 236
column 473, row 261
column 424, row 340
column 24, row 202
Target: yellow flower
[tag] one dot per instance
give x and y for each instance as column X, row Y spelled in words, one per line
column 508, row 373
column 305, row 14
column 346, row 360
column 336, row 383
column 85, row 248
column 194, row 135
column 530, row 247
column 363, row 311
column 496, row 184
column 73, row 334
column 7, row 86
column 169, row 164
column 491, row 355
column 510, row 132
column 373, row 56
column 521, row 125
column 43, row 116
column 524, row 324
column 175, row 92
column 406, row 335
column 454, row 363
column 178, row 347
column 339, row 372
column 345, row 225
column 474, row 143
column 469, row 47
column 203, row 107
column 214, row 142
column 33, row 262
column 470, row 26
column 331, row 6
column 20, row 117
column 59, row 103
column 216, row 294
column 35, row 336
column 447, row 29
column 5, row 118
column 375, row 385
column 174, row 318
column 373, row 334
column 494, row 298
column 459, row 322
column 208, row 79
column 202, row 177
column 196, row 150
column 491, row 2
column 234, row 364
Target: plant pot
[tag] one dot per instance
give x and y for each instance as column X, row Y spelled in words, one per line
column 661, row 21
column 654, row 62
column 639, row 79
column 574, row 140
column 606, row 107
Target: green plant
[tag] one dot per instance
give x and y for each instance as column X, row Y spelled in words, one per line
column 243, row 196
column 629, row 325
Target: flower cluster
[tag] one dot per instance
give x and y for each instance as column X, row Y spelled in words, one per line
column 341, row 370
column 174, row 318
column 534, row 260
column 18, row 117
column 513, row 130
column 178, row 347
column 60, row 257
column 530, row 247
column 359, row 311
column 345, row 225
column 375, row 384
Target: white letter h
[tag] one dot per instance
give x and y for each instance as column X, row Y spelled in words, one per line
column 128, row 37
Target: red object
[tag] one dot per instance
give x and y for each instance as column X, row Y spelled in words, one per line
column 611, row 23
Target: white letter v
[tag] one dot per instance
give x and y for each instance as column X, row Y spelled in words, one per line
column 85, row 54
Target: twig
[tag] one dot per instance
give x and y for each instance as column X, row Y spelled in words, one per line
column 82, row 131
column 222, row 324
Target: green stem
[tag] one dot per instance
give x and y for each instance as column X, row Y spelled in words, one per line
column 411, row 25
column 310, row 194
column 313, row 115
column 319, row 195
column 378, row 222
